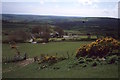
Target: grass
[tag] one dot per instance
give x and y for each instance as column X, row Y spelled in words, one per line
column 50, row 48
column 12, row 70
column 32, row 71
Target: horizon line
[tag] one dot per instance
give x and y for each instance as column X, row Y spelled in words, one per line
column 57, row 15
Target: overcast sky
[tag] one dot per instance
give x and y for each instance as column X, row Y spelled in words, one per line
column 82, row 8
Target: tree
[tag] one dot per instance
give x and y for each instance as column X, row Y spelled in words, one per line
column 89, row 35
column 19, row 36
column 36, row 30
column 45, row 36
column 45, row 33
column 60, row 31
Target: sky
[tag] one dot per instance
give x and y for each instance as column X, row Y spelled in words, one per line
column 80, row 8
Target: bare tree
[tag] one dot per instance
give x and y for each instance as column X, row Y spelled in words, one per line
column 59, row 30
column 89, row 35
column 18, row 36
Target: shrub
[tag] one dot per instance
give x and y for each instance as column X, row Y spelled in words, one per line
column 63, row 39
column 43, row 66
column 112, row 59
column 99, row 60
column 118, row 57
column 81, row 60
column 56, row 68
column 84, row 65
column 39, row 40
column 89, row 59
column 98, row 48
column 116, row 62
column 94, row 63
column 48, row 59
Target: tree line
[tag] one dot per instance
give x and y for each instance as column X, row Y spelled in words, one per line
column 43, row 31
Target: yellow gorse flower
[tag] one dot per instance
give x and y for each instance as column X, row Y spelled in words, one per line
column 101, row 46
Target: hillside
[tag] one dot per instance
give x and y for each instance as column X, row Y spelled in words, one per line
column 83, row 24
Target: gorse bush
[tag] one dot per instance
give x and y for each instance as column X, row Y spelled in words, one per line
column 48, row 59
column 98, row 48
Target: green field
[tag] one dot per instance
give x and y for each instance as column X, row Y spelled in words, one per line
column 49, row 48
column 32, row 71
column 13, row 70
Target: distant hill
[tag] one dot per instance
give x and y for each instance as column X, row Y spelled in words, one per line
column 37, row 18
column 89, row 24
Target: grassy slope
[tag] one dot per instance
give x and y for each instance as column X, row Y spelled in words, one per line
column 32, row 70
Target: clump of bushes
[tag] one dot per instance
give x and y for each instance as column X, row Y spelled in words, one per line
column 98, row 48
column 95, row 63
column 112, row 59
column 89, row 59
column 48, row 59
column 84, row 65
column 81, row 60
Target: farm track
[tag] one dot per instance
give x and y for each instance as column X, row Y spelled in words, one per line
column 25, row 62
column 20, row 64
